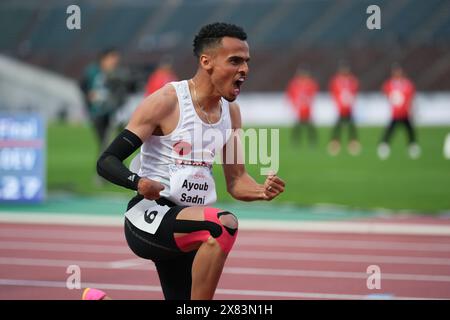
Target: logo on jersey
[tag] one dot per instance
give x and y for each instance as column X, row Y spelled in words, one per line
column 182, row 148
column 149, row 217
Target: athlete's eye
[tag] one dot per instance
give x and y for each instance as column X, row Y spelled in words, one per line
column 235, row 61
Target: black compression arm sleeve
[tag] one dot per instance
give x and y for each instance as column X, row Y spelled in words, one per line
column 110, row 164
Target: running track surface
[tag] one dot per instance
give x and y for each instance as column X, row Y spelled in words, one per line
column 263, row 264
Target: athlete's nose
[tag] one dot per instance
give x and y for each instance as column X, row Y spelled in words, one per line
column 243, row 70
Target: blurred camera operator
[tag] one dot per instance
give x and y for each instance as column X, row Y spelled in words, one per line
column 104, row 93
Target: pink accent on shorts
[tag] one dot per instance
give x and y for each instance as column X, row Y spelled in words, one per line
column 93, row 294
column 225, row 240
column 184, row 242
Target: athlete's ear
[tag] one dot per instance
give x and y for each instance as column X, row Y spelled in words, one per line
column 206, row 62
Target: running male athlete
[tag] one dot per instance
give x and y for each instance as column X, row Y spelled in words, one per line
column 188, row 243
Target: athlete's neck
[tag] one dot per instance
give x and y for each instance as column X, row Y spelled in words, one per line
column 207, row 96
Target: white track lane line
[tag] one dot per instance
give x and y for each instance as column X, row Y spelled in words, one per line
column 104, row 236
column 253, row 241
column 65, row 247
column 346, row 244
column 365, row 227
column 273, row 255
column 264, row 255
column 219, row 291
column 135, row 264
column 371, row 259
column 97, row 236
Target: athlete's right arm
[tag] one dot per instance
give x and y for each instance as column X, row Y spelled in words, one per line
column 152, row 113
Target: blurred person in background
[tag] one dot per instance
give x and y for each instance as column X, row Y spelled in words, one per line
column 400, row 91
column 301, row 91
column 101, row 95
column 163, row 74
column 344, row 88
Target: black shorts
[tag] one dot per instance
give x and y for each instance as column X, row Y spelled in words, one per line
column 159, row 246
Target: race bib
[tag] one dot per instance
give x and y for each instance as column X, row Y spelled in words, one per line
column 147, row 215
column 192, row 185
column 347, row 97
column 397, row 98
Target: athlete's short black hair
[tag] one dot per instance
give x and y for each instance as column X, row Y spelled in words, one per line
column 106, row 52
column 211, row 34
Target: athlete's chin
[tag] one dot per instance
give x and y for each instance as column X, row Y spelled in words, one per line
column 230, row 98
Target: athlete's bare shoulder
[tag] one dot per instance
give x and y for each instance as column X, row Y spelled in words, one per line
column 161, row 102
column 235, row 115
column 152, row 110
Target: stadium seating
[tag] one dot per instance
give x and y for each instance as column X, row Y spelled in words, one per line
column 315, row 33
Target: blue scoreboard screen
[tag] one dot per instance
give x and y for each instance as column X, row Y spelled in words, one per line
column 22, row 158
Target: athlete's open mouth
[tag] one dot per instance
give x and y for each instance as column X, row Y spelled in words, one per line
column 237, row 84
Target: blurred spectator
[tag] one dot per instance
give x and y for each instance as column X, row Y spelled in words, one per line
column 301, row 91
column 400, row 92
column 344, row 88
column 163, row 74
column 100, row 94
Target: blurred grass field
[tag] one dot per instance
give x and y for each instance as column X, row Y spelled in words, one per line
column 311, row 175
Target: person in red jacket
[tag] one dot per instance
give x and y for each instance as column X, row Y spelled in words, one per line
column 163, row 74
column 301, row 91
column 400, row 92
column 344, row 88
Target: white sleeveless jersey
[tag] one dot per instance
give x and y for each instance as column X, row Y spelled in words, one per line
column 182, row 160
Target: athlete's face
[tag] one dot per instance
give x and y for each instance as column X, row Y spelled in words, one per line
column 110, row 62
column 397, row 72
column 228, row 67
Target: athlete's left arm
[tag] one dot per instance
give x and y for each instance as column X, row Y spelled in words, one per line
column 240, row 184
